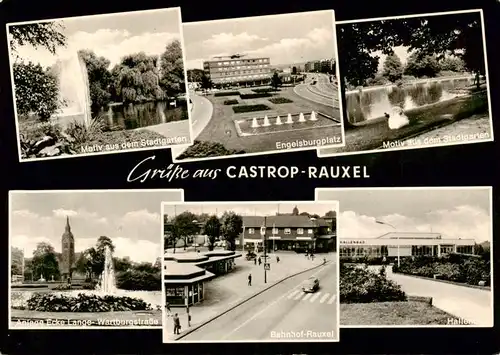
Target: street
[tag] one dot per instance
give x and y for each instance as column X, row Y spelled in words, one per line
column 283, row 312
column 323, row 92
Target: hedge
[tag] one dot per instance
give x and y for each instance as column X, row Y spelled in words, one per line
column 280, row 100
column 264, row 90
column 250, row 108
column 255, row 96
column 360, row 285
column 369, row 260
column 230, row 102
column 227, row 93
column 138, row 281
column 52, row 302
column 203, row 149
column 452, row 267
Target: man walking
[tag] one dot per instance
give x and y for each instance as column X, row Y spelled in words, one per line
column 277, row 259
column 177, row 324
column 189, row 317
column 249, row 279
column 260, row 261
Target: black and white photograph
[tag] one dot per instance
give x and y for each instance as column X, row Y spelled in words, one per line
column 250, row 272
column 86, row 258
column 262, row 85
column 414, row 82
column 99, row 84
column 414, row 257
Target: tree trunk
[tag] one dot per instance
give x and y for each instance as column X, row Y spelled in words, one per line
column 478, row 80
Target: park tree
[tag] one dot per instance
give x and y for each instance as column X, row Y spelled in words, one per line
column 276, row 81
column 418, row 66
column 393, row 68
column 103, row 242
column 195, row 75
column 331, row 214
column 122, row 264
column 36, row 88
column 453, row 64
column 232, row 226
column 16, row 261
column 212, row 229
column 295, row 211
column 99, row 78
column 184, row 226
column 206, row 82
column 172, row 69
column 44, row 261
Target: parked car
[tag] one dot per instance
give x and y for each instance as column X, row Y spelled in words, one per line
column 310, row 285
column 250, row 255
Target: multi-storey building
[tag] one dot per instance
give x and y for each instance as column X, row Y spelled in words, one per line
column 238, row 70
column 288, row 232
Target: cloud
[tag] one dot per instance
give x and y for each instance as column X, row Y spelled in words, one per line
column 111, row 44
column 229, row 41
column 460, row 222
column 136, row 234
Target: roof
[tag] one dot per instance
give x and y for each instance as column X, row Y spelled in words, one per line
column 410, row 235
column 283, row 221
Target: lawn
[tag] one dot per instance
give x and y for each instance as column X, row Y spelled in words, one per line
column 392, row 313
column 371, row 135
column 221, row 128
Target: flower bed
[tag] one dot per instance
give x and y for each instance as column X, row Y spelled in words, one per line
column 53, row 302
column 255, row 96
column 250, row 108
column 227, row 93
column 280, row 100
column 360, row 285
column 230, row 102
column 203, row 149
column 264, row 90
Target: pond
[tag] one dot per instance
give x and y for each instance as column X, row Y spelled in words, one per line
column 374, row 103
column 132, row 116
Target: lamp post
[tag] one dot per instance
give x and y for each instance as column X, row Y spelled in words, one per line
column 313, row 220
column 390, row 225
column 263, row 233
column 195, row 240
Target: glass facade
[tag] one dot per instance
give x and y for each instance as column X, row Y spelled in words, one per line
column 416, row 250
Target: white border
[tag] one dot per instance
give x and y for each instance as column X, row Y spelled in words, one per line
column 488, row 83
column 11, row 65
column 318, row 190
column 13, row 192
column 335, row 206
column 276, row 151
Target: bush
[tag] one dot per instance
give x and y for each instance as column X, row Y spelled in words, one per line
column 230, row 102
column 227, row 93
column 360, row 285
column 377, row 80
column 51, row 302
column 264, row 90
column 451, row 267
column 255, row 96
column 62, row 287
column 250, row 108
column 280, row 100
column 89, row 285
column 134, row 280
column 202, row 149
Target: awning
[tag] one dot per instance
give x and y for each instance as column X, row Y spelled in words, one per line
column 326, row 236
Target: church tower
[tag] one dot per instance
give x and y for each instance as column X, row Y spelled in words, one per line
column 68, row 252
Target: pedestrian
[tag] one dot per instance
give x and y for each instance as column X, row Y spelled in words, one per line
column 277, row 259
column 167, row 306
column 249, row 279
column 307, row 255
column 312, row 257
column 255, row 261
column 177, row 324
column 260, row 261
column 324, row 260
column 189, row 317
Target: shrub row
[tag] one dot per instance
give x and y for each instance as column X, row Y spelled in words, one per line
column 51, row 302
column 360, row 285
column 369, row 260
column 255, row 96
column 250, row 108
column 138, row 280
column 264, row 90
column 227, row 93
column 230, row 102
column 280, row 100
column 456, row 268
column 202, row 149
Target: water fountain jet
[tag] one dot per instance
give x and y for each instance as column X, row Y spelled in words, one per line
column 266, row 122
column 278, row 121
column 301, row 117
column 313, row 116
column 107, row 282
column 289, row 119
column 255, row 124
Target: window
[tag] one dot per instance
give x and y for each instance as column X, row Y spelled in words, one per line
column 219, row 64
column 251, row 231
column 300, row 230
column 275, row 230
column 288, row 231
column 310, row 231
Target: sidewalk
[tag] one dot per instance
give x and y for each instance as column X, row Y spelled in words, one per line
column 227, row 290
column 473, row 305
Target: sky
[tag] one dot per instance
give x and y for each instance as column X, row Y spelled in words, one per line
column 286, row 38
column 249, row 209
column 455, row 213
column 130, row 218
column 113, row 36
